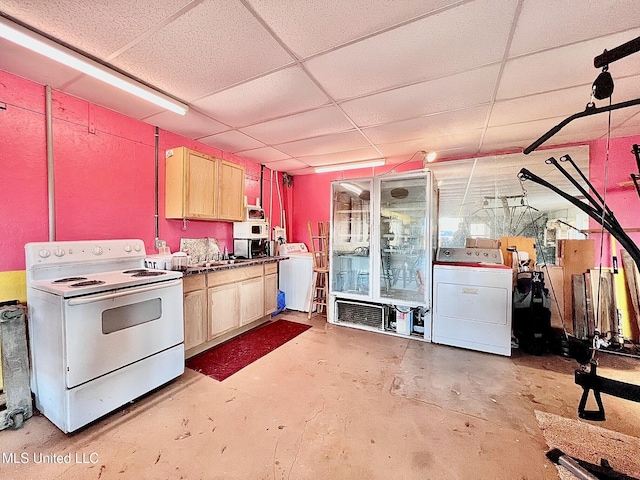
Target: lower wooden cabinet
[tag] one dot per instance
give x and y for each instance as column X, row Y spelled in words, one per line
column 270, row 288
column 224, row 311
column 221, row 304
column 251, row 294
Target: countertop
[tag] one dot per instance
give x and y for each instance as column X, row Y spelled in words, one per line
column 231, row 264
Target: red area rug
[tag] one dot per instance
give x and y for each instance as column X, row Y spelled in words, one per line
column 224, row 360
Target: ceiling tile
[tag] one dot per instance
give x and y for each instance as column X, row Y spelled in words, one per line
column 227, row 43
column 455, row 40
column 302, row 125
column 543, row 24
column 445, row 146
column 562, row 67
column 112, row 97
column 97, row 28
column 232, row 141
column 192, row 125
column 356, row 155
column 336, row 142
column 433, row 96
column 429, row 126
column 263, row 155
column 277, row 94
column 37, row 68
column 311, row 27
column 287, row 165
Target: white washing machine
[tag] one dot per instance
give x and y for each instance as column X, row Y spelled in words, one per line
column 295, row 275
column 472, row 298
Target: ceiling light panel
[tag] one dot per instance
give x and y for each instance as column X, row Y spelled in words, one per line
column 226, row 41
column 311, row 27
column 97, row 28
column 313, row 123
column 407, row 55
column 433, row 96
column 277, row 94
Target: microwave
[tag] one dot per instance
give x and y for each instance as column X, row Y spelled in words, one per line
column 251, row 230
column 254, row 213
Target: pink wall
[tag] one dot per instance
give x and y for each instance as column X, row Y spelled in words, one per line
column 622, row 200
column 104, row 174
column 312, row 196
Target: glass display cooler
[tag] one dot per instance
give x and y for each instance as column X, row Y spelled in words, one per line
column 383, row 241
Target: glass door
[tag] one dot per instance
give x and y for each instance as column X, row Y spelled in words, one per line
column 351, row 237
column 403, row 239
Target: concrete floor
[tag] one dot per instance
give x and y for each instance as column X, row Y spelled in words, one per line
column 333, row 403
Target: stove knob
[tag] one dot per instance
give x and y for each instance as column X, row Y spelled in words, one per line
column 137, row 247
column 97, row 250
column 477, row 254
column 127, row 248
column 447, row 253
column 486, row 254
column 59, row 252
column 44, row 253
column 469, row 253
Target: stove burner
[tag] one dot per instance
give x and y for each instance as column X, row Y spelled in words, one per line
column 88, row 283
column 137, row 270
column 69, row 279
column 147, row 273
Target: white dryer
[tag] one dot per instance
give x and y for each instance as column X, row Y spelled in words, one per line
column 472, row 300
column 295, row 275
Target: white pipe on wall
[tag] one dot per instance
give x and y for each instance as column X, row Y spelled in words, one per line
column 50, row 170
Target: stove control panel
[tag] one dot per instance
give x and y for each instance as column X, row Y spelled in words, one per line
column 65, row 252
column 469, row 255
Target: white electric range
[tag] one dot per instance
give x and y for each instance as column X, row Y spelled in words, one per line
column 103, row 330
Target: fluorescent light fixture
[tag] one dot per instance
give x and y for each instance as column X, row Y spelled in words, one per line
column 26, row 38
column 350, row 166
column 351, row 187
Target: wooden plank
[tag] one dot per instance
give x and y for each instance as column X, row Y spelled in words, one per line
column 580, row 326
column 553, row 281
column 591, row 319
column 604, row 302
column 632, row 280
column 575, row 257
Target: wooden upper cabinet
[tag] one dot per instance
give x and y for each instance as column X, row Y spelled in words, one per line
column 201, row 187
column 230, row 191
column 191, row 179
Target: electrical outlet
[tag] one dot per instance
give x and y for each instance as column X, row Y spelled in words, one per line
column 160, row 243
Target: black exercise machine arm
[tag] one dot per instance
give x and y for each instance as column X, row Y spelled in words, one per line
column 590, row 110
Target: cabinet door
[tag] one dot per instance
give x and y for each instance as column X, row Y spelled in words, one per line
column 195, row 319
column 251, row 300
column 270, row 294
column 200, row 186
column 224, row 309
column 230, row 191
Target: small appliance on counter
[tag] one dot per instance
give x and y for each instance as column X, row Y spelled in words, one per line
column 251, row 239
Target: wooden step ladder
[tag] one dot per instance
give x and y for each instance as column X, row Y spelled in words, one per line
column 319, row 247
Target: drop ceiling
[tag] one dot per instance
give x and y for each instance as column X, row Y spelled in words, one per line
column 298, row 84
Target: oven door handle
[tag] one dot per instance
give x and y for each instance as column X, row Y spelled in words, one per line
column 122, row 293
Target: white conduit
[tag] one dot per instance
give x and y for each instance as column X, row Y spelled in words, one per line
column 50, row 172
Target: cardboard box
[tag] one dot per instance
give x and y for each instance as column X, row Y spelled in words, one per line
column 482, row 243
